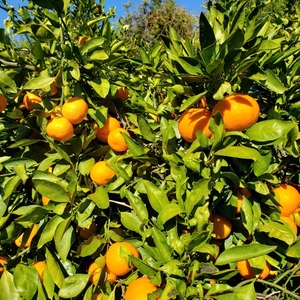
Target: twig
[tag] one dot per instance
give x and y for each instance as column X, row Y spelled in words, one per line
column 264, row 297
column 18, row 65
column 120, row 203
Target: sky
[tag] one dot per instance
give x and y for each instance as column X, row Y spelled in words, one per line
column 193, row 6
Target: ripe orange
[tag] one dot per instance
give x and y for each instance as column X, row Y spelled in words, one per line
column 87, row 232
column 139, row 289
column 116, row 141
column 97, row 297
column 288, row 198
column 247, row 272
column 296, row 216
column 33, row 232
column 290, row 220
column 40, row 266
column 95, row 271
column 194, row 119
column 3, row 102
column 45, row 200
column 115, row 262
column 110, row 277
column 31, row 99
column 110, row 124
column 122, row 93
column 83, row 39
column 222, row 226
column 239, row 111
column 3, row 261
column 75, row 110
column 101, row 174
column 60, row 129
column 240, row 193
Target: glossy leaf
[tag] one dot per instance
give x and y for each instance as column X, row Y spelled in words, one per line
column 239, row 152
column 73, row 285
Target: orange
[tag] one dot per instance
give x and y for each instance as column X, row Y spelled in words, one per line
column 239, row 111
column 222, row 226
column 101, row 174
column 139, row 289
column 60, row 129
column 3, row 102
column 116, row 141
column 115, row 262
column 194, row 119
column 272, row 274
column 75, row 110
column 97, row 297
column 31, row 99
column 3, row 261
column 288, row 198
column 110, row 277
column 45, row 200
column 110, row 124
column 247, row 272
column 240, row 193
column 53, row 89
column 95, row 271
column 40, row 266
column 296, row 216
column 33, row 232
column 87, row 232
column 122, row 93
column 83, row 39
column 290, row 220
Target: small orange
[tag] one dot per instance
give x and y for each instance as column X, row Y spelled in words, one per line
column 45, row 200
column 31, row 99
column 97, row 297
column 101, row 174
column 83, row 39
column 247, row 272
column 139, row 289
column 239, row 111
column 33, row 232
column 54, row 90
column 192, row 120
column 240, row 193
column 3, row 261
column 75, row 110
column 87, row 232
column 115, row 262
column 116, row 141
column 110, row 277
column 296, row 216
column 290, row 220
column 3, row 103
column 288, row 198
column 95, row 271
column 110, row 124
column 222, row 226
column 40, row 266
column 60, row 129
column 122, row 93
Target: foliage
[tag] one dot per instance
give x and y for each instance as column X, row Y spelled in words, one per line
column 165, row 189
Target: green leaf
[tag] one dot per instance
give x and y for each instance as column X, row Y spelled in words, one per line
column 134, row 148
column 138, row 206
column 101, row 86
column 7, row 287
column 191, row 101
column 75, row 71
column 54, row 268
column 131, row 222
column 146, row 131
column 99, row 55
column 30, row 215
column 100, row 197
column 243, row 252
column 273, row 83
column 294, row 250
column 63, row 248
column 239, row 152
column 38, row 83
column 6, row 83
column 73, row 285
column 143, row 267
column 85, row 165
column 168, row 212
column 161, row 244
column 206, row 34
column 246, row 292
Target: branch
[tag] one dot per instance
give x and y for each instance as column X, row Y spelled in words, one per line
column 18, row 65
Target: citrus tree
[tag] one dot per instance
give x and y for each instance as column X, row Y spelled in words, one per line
column 170, row 175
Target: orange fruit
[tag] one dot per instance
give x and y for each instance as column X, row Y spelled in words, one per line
column 101, row 174
column 290, row 220
column 247, row 272
column 95, row 271
column 83, row 39
column 87, row 232
column 288, row 198
column 115, row 262
column 3, row 102
column 40, row 267
column 122, row 93
column 222, row 226
column 3, row 261
column 194, row 119
column 296, row 216
column 239, row 111
column 139, row 289
column 240, row 193
column 97, row 297
column 60, row 129
column 45, row 200
column 31, row 99
column 272, row 274
column 116, row 141
column 75, row 110
column 54, row 90
column 110, row 277
column 110, row 124
column 33, row 232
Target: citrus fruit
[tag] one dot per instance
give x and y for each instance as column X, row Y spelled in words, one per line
column 139, row 289
column 222, row 226
column 194, row 119
column 110, row 277
column 290, row 220
column 54, row 90
column 83, row 39
column 100, row 173
column 247, row 272
column 40, row 267
column 116, row 263
column 288, row 198
column 95, row 271
column 296, row 216
column 31, row 99
column 97, row 297
column 3, row 102
column 3, row 261
column 75, row 110
column 87, row 232
column 240, row 193
column 122, row 93
column 116, row 141
column 33, row 232
column 59, row 129
column 45, row 200
column 239, row 111
column 110, row 124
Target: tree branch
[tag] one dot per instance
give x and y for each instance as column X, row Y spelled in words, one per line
column 11, row 64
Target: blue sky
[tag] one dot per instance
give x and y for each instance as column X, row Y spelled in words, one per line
column 194, row 6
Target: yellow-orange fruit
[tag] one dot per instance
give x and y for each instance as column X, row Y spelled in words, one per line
column 3, row 103
column 122, row 93
column 110, row 124
column 139, row 289
column 290, row 220
column 31, row 99
column 33, row 232
column 240, row 193
column 40, row 266
column 75, row 110
column 116, row 141
column 101, row 174
column 3, row 261
column 247, row 272
column 222, row 226
column 59, row 129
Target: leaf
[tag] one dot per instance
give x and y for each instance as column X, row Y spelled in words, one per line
column 99, row 55
column 7, row 287
column 38, row 83
column 161, row 244
column 206, row 34
column 73, row 285
column 85, row 165
column 100, row 197
column 131, row 222
column 134, row 148
column 168, row 212
column 75, row 71
column 246, row 292
column 54, row 268
column 138, row 206
column 273, row 83
column 6, row 83
column 239, row 152
column 191, row 101
column 63, row 248
column 146, row 131
column 294, row 250
column 243, row 252
column 101, row 86
column 143, row 267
